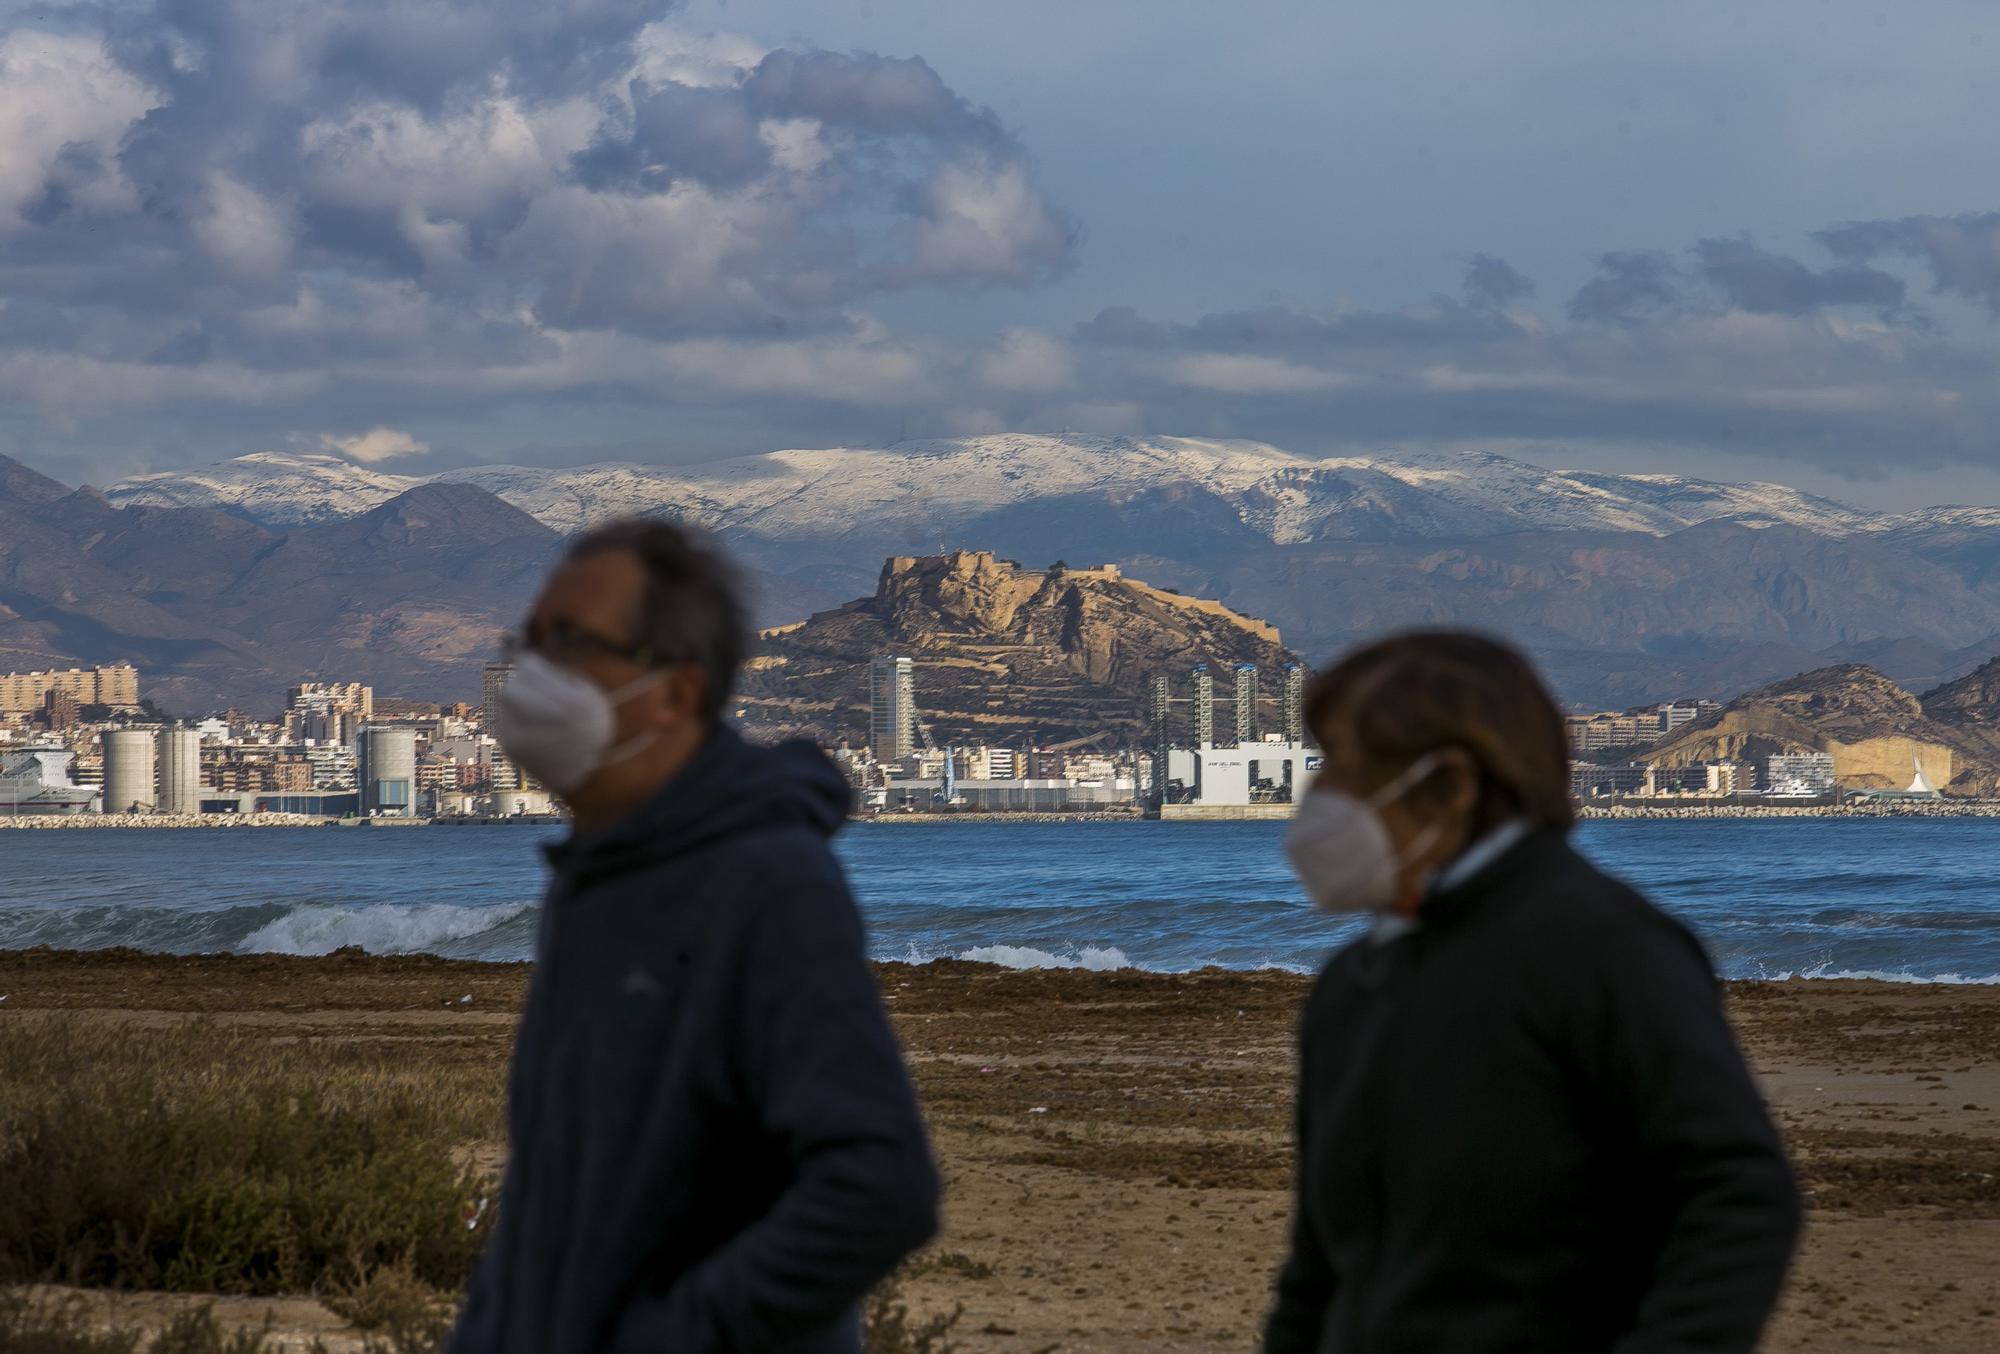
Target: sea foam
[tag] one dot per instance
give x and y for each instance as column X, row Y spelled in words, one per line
column 1024, row 956
column 382, row 929
column 1828, row 972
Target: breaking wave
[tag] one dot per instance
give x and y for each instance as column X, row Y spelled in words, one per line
column 1826, row 971
column 423, row 928
column 1023, row 956
column 496, row 932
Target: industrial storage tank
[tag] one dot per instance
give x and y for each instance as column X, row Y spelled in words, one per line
column 180, row 771
column 128, row 771
column 387, row 768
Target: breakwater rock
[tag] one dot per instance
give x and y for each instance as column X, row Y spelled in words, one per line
column 83, row 820
column 1939, row 808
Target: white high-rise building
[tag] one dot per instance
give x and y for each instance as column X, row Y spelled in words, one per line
column 892, row 708
column 1799, row 774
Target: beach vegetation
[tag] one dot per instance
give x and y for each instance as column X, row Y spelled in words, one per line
column 191, row 1157
column 60, row 1324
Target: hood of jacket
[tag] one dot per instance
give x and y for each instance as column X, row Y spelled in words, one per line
column 729, row 786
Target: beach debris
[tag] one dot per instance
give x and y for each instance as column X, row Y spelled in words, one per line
column 465, row 1000
column 1038, row 1109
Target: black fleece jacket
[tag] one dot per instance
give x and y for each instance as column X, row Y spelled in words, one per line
column 1526, row 1126
column 714, row 1143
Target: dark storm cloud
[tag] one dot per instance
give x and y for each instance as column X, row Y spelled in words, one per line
column 1772, row 284
column 1962, row 252
column 1491, row 283
column 877, row 95
column 1740, row 350
column 1439, row 324
column 674, row 131
column 1627, row 287
column 417, row 51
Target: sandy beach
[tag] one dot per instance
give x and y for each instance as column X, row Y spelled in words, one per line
column 1116, row 1144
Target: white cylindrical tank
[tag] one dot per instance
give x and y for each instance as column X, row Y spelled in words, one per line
column 180, row 771
column 128, row 771
column 388, row 767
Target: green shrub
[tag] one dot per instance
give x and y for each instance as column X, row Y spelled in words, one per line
column 195, row 1158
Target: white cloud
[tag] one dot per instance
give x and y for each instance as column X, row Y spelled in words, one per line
column 665, row 53
column 1028, row 362
column 64, row 106
column 617, row 259
column 243, row 231
column 827, row 369
column 374, row 446
column 488, row 151
column 987, row 219
column 1242, row 374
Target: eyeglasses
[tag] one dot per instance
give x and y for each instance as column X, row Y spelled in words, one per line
column 561, row 642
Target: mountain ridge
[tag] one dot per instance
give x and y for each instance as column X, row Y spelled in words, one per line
column 1628, row 589
column 1284, row 496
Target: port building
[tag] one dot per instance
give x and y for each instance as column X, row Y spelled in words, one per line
column 129, row 785
column 386, row 771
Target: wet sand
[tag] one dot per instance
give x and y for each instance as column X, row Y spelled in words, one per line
column 1117, row 1150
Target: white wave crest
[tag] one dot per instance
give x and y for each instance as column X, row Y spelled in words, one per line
column 1824, row 971
column 1023, row 956
column 387, row 929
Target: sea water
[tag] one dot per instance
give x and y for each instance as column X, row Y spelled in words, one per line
column 1907, row 898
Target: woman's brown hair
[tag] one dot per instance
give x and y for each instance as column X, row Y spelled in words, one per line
column 1426, row 690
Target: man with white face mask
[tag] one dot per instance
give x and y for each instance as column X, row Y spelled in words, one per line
column 713, row 1142
column 1523, row 1123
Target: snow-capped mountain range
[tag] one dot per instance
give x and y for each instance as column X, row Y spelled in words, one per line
column 916, row 488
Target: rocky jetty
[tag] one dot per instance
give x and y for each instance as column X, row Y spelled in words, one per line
column 87, row 820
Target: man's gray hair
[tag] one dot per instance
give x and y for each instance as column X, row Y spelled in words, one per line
column 693, row 610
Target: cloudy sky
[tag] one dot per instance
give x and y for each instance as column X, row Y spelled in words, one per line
column 1745, row 242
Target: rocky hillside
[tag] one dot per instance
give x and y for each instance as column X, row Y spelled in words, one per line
column 1878, row 732
column 1004, row 652
column 216, row 610
column 1970, row 709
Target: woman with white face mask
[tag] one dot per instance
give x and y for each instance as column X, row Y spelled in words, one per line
column 1523, row 1122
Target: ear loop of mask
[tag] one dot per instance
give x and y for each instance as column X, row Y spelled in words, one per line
column 1410, row 777
column 640, row 741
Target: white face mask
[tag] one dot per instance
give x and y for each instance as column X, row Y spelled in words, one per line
column 1341, row 851
column 557, row 724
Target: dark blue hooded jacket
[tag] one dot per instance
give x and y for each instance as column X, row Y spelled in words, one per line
column 714, row 1144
